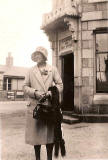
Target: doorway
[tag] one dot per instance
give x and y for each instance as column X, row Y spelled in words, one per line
column 68, row 82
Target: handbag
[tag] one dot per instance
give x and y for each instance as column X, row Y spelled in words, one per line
column 44, row 111
column 48, row 108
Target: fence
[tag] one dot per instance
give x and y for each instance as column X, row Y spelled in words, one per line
column 12, row 96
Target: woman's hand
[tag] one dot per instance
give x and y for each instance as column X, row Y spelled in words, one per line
column 37, row 95
column 49, row 93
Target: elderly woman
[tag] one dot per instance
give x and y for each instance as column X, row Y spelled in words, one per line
column 38, row 80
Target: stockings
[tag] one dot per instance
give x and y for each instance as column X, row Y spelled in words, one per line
column 37, row 151
column 49, row 149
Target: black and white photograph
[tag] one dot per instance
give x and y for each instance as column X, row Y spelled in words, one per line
column 53, row 79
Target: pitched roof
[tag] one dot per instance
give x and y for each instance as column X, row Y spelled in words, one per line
column 13, row 71
column 3, row 68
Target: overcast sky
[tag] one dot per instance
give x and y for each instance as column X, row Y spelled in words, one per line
column 20, row 33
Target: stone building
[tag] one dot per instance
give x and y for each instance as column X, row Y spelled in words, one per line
column 11, row 80
column 78, row 33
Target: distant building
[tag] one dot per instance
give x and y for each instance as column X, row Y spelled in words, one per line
column 11, row 80
column 78, row 32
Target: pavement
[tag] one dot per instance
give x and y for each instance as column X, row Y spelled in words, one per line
column 84, row 141
column 12, row 107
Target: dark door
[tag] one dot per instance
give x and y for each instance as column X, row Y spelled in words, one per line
column 68, row 82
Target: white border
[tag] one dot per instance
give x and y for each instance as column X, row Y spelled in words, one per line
column 93, row 1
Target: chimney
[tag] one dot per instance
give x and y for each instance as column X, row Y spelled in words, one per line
column 57, row 3
column 9, row 60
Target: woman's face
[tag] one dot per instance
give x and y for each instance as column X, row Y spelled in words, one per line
column 39, row 58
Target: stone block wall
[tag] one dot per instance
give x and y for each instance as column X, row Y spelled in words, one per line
column 3, row 95
column 87, row 68
column 94, row 15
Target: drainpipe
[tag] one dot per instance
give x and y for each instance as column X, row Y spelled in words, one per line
column 81, row 60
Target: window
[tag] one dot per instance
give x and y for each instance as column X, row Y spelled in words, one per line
column 1, row 84
column 7, row 84
column 4, row 84
column 101, row 46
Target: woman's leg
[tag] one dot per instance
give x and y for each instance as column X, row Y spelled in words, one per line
column 37, row 151
column 49, row 148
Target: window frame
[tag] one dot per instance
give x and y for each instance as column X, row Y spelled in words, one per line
column 7, row 86
column 103, row 30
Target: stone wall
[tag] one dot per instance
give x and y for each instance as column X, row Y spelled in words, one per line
column 94, row 15
column 84, row 16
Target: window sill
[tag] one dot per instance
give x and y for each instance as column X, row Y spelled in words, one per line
column 100, row 99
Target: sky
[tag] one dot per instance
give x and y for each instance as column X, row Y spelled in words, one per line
column 20, row 33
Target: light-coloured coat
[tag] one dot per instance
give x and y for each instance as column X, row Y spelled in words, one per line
column 37, row 131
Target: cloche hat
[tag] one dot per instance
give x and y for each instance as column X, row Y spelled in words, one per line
column 41, row 50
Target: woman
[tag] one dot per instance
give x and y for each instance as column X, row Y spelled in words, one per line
column 38, row 80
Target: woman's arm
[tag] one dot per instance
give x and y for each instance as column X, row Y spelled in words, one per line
column 27, row 86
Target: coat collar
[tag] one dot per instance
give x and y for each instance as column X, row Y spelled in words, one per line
column 48, row 68
column 39, row 77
